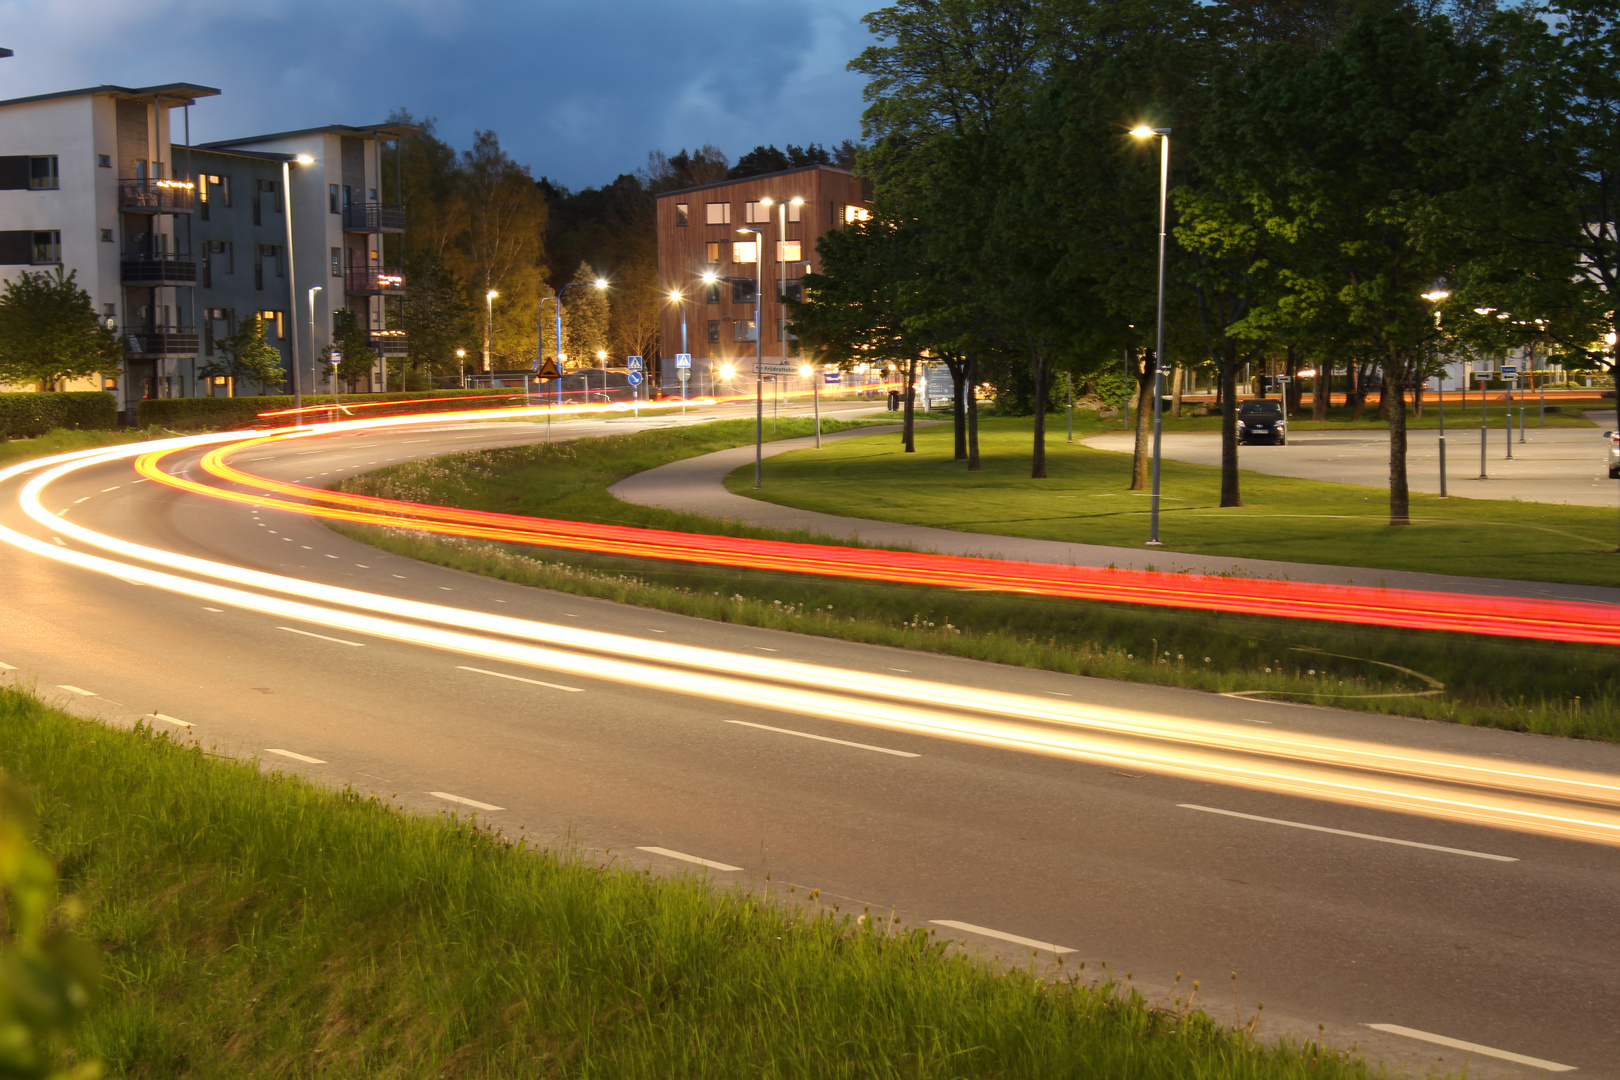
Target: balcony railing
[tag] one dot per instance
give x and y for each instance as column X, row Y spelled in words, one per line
column 373, row 279
column 160, row 269
column 373, row 218
column 387, row 342
column 143, row 195
column 160, row 341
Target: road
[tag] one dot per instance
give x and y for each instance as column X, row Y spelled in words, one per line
column 1555, row 465
column 1330, row 912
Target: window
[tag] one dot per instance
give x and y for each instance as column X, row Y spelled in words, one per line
column 47, row 246
column 742, row 291
column 719, row 213
column 856, row 213
column 261, row 253
column 743, row 330
column 793, row 289
column 337, row 262
column 104, row 161
column 714, row 293
column 713, row 250
column 261, row 188
column 42, row 173
column 714, row 331
column 681, row 215
column 371, row 194
column 212, row 190
column 789, row 251
column 744, row 251
column 332, row 204
column 224, row 254
column 756, row 212
column 272, row 323
column 794, row 209
column 216, row 324
column 107, row 236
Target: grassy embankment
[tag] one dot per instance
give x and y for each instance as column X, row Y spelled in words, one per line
column 65, row 442
column 1551, row 688
column 258, row 926
column 1085, row 500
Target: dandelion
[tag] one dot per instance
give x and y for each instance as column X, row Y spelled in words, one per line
column 1206, row 659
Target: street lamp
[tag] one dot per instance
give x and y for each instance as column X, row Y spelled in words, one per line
column 312, row 291
column 489, row 322
column 1163, row 134
column 601, row 358
column 600, row 283
column 1436, row 294
column 461, row 368
column 292, row 287
column 759, row 337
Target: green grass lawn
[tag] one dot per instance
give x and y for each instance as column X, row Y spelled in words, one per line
column 1085, row 500
column 258, row 926
column 1458, row 414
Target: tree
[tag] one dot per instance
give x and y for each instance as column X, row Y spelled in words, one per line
column 585, row 320
column 768, row 159
column 439, row 315
column 49, row 331
column 245, row 356
column 357, row 358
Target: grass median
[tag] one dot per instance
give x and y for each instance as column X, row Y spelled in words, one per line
column 1085, row 499
column 1555, row 689
column 255, row 925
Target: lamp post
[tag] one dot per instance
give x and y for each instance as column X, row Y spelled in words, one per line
column 679, row 301
column 601, row 358
column 313, row 289
column 1436, row 294
column 1163, row 134
column 489, row 325
column 781, row 276
column 292, row 287
column 759, row 376
column 461, row 368
column 600, row 283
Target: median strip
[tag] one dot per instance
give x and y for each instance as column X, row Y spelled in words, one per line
column 1473, row 1048
column 1355, row 835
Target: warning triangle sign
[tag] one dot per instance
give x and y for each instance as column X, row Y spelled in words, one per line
column 548, row 368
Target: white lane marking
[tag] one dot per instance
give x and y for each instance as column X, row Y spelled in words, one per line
column 331, row 556
column 650, row 630
column 296, row 757
column 401, row 576
column 503, row 601
column 6, row 667
column 87, row 498
column 214, row 609
column 519, row 678
column 1056, row 693
column 447, row 588
column 567, row 615
column 58, row 540
column 168, row 719
column 323, row 637
column 1473, row 1048
column 1346, row 832
column 668, row 854
column 76, row 690
column 985, row 931
column 362, row 566
column 306, row 453
column 763, row 648
column 306, row 547
column 288, row 539
column 474, row 803
column 115, row 487
column 906, row 670
column 142, row 480
column 823, row 738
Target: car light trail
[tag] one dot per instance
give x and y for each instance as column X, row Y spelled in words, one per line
column 1550, row 620
column 1573, row 805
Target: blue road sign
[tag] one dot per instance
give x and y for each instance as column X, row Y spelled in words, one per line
column 635, row 376
column 833, row 377
column 683, row 359
column 1509, row 371
column 634, row 362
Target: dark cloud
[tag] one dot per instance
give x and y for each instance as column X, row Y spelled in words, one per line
column 580, row 91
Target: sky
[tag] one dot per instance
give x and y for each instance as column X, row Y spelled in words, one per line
column 579, row 91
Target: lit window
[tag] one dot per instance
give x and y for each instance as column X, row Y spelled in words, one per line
column 742, row 330
column 856, row 213
column 42, row 173
column 756, row 212
column 789, row 251
column 744, row 251
column 681, row 215
column 272, row 323
column 713, row 250
column 719, row 213
column 793, row 212
column 47, row 246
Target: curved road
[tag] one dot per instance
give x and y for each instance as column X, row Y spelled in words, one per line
column 1333, row 913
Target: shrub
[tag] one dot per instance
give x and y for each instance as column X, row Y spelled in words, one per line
column 31, row 414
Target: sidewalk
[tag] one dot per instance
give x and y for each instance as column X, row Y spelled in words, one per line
column 695, row 486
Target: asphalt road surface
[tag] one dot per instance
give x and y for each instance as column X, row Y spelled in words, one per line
column 1343, row 915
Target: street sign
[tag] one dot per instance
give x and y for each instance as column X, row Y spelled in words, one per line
column 833, row 377
column 776, row 369
column 633, row 362
column 684, row 374
column 635, row 376
column 1509, row 371
column 683, row 359
column 548, row 368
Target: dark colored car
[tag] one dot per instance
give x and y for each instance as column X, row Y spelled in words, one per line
column 1613, row 438
column 1262, row 421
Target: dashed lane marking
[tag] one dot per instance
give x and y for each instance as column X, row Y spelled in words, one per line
column 76, row 690
column 824, row 738
column 168, row 719
column 323, row 637
column 216, row 610
column 519, row 678
column 1346, row 832
column 681, row 855
column 305, row 758
column 1002, row 935
column 1473, row 1048
column 464, row 801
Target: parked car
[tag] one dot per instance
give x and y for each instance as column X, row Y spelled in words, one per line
column 1262, row 421
column 1613, row 438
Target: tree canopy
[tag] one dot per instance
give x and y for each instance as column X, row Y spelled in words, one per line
column 49, row 331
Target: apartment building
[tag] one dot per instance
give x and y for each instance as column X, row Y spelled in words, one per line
column 698, row 234
column 176, row 244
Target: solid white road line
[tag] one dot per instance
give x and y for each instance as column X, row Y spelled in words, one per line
column 985, row 931
column 1473, row 1048
column 323, row 637
column 474, row 803
column 76, row 690
column 1346, row 832
column 519, row 678
column 823, row 738
column 296, row 757
column 7, row 667
column 168, row 719
column 668, row 854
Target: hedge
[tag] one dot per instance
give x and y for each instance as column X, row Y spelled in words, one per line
column 29, row 414
column 199, row 413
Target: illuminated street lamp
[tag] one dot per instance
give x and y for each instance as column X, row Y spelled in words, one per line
column 1163, row 134
column 759, row 338
column 461, row 368
column 489, row 321
column 292, row 288
column 1436, row 294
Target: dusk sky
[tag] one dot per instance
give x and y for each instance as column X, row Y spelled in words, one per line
column 578, row 91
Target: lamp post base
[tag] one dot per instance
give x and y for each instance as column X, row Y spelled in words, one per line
column 1155, row 543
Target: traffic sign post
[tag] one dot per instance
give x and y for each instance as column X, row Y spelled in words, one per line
column 635, row 366
column 683, row 371
column 775, row 369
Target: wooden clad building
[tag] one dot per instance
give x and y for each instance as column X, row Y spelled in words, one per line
column 698, row 234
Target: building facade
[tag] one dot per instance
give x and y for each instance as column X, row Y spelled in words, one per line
column 177, row 244
column 698, row 235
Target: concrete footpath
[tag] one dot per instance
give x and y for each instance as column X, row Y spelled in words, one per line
column 696, row 486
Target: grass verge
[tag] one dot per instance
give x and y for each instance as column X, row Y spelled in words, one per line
column 1085, row 500
column 63, row 441
column 258, row 926
column 1555, row 689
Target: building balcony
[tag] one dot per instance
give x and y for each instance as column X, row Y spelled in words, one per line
column 161, row 269
column 147, row 196
column 373, row 280
column 373, row 218
column 160, row 341
column 387, row 342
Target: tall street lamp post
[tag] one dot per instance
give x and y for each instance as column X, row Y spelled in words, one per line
column 1436, row 294
column 292, row 287
column 1163, row 134
column 489, row 324
column 759, row 376
column 461, row 368
column 313, row 289
column 679, row 301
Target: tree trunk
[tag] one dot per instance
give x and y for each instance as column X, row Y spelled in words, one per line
column 1037, row 368
column 1417, row 398
column 909, row 432
column 972, row 380
column 1175, row 390
column 1322, row 390
column 1230, row 495
column 958, row 370
column 1144, row 421
column 1357, row 392
column 1399, row 498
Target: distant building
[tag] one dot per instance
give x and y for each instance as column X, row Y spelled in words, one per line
column 698, row 234
column 176, row 244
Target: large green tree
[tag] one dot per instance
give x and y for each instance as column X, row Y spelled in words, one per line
column 245, row 356
column 49, row 331
column 585, row 320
